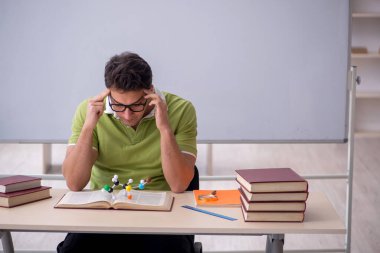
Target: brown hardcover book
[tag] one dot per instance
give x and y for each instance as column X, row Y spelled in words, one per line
column 273, row 206
column 273, row 216
column 273, row 196
column 25, row 196
column 271, row 180
column 141, row 200
column 18, row 183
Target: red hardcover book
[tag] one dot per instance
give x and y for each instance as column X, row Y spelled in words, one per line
column 290, row 206
column 272, row 196
column 271, row 180
column 273, row 216
column 25, row 196
column 18, row 183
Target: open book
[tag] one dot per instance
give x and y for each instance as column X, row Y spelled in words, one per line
column 141, row 200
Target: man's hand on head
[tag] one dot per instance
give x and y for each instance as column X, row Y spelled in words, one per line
column 95, row 108
column 161, row 114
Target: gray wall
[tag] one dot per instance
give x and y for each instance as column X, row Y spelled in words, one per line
column 255, row 70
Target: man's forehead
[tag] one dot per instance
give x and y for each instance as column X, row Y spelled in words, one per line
column 127, row 97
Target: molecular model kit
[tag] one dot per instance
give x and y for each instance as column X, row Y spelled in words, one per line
column 127, row 186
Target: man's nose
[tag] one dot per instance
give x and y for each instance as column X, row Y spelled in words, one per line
column 127, row 113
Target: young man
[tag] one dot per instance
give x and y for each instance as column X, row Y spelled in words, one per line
column 135, row 131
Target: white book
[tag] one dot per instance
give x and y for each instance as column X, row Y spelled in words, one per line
column 141, row 200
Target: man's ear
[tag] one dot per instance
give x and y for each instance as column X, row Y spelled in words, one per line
column 151, row 88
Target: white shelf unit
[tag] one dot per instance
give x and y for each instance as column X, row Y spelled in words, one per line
column 366, row 15
column 368, row 94
column 366, row 56
column 365, row 32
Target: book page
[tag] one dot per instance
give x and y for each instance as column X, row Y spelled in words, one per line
column 85, row 197
column 145, row 198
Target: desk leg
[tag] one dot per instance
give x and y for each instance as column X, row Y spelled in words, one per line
column 275, row 243
column 6, row 240
column 47, row 163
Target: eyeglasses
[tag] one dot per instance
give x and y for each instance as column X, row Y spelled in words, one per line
column 119, row 107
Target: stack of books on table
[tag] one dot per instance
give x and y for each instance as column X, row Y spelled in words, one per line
column 17, row 190
column 273, row 194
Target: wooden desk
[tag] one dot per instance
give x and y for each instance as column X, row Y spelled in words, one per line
column 41, row 216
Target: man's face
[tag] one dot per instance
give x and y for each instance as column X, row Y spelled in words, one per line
column 130, row 106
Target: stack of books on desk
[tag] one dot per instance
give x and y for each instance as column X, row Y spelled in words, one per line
column 17, row 190
column 273, row 194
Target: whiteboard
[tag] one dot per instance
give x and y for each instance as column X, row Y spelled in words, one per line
column 255, row 70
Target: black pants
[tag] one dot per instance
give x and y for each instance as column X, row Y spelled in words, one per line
column 80, row 242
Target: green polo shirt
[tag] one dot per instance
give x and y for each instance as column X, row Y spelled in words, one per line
column 136, row 154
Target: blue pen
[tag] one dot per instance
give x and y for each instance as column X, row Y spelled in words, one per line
column 208, row 212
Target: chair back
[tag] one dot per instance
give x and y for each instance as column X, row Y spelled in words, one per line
column 194, row 184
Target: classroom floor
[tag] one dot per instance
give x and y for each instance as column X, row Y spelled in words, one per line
column 306, row 159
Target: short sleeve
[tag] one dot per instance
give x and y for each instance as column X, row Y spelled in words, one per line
column 77, row 124
column 186, row 134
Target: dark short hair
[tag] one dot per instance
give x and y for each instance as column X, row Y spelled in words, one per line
column 128, row 71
